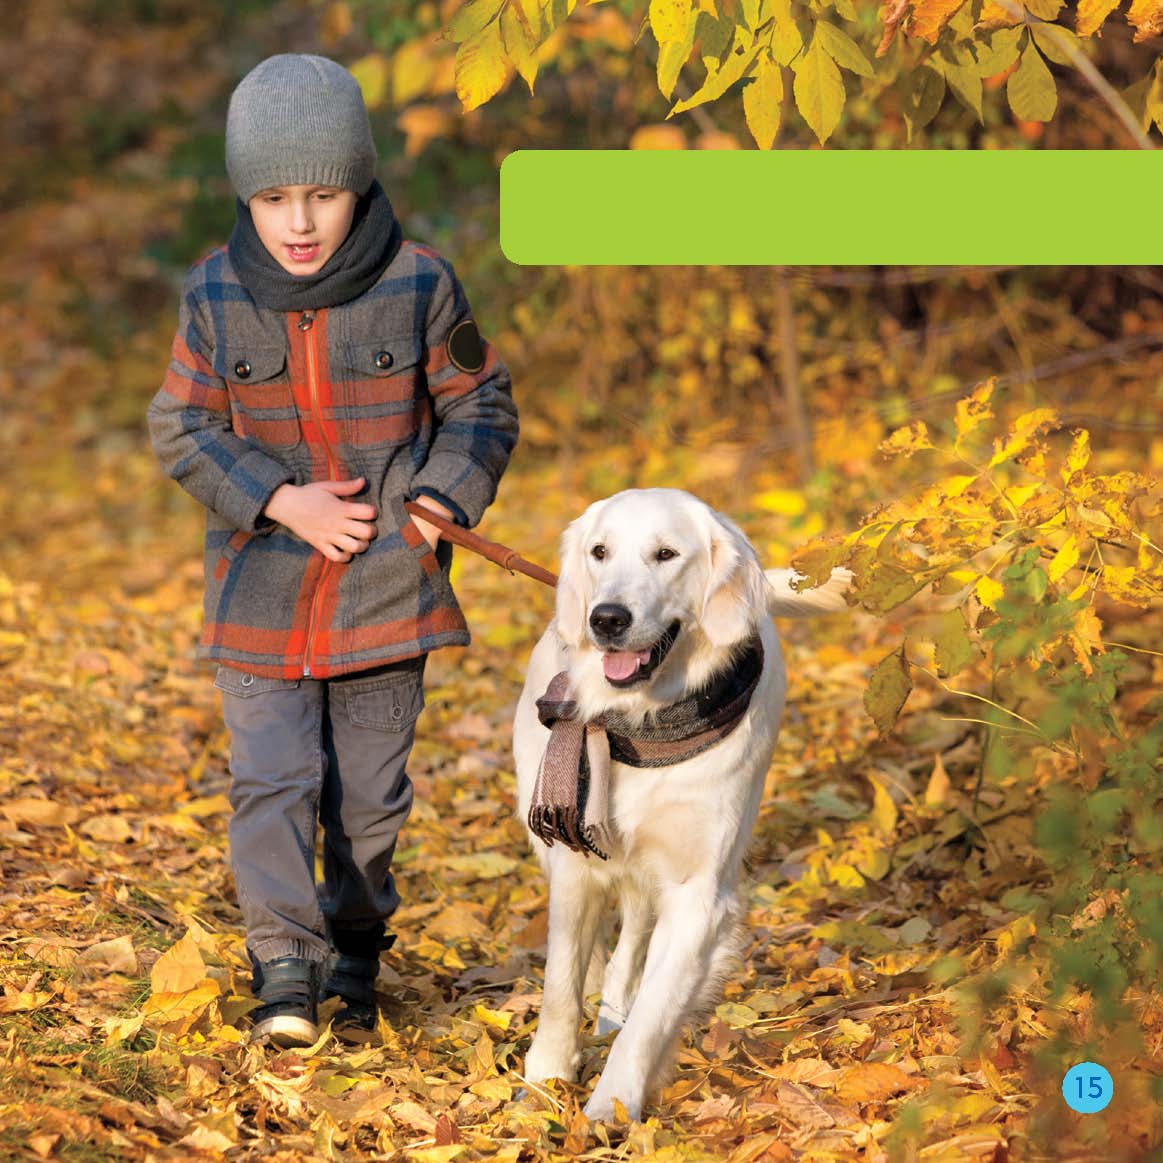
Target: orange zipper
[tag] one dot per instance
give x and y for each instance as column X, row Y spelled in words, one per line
column 307, row 325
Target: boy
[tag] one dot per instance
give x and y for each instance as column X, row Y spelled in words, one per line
column 324, row 371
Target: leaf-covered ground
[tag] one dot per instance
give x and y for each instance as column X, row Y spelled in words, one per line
column 124, row 987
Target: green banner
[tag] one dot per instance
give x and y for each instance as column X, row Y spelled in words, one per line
column 832, row 207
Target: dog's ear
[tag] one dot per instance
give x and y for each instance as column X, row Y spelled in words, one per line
column 571, row 584
column 736, row 594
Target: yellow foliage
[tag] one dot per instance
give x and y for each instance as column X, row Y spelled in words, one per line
column 1065, row 559
column 658, row 137
column 372, row 73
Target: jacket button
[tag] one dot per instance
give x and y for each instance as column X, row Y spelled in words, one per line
column 242, row 369
column 384, row 360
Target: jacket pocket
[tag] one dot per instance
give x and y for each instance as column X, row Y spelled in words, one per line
column 386, row 702
column 387, row 397
column 245, row 685
column 261, row 398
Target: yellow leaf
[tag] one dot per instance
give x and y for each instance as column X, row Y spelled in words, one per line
column 721, row 75
column 413, row 1115
column 39, row 812
column 372, row 74
column 215, row 805
column 1065, row 559
column 873, row 861
column 413, row 70
column 671, row 58
column 1034, row 462
column 495, row 1089
column 845, row 875
column 843, row 49
column 335, row 23
column 118, row 1030
column 938, row 787
column 974, row 409
column 107, row 828
column 422, row 124
column 436, row 1154
column 482, row 865
column 43, row 1145
column 998, row 16
column 1018, row 495
column 1092, row 15
column 115, row 956
column 884, row 811
column 785, row 502
column 24, row 1001
column 205, row 1139
column 1086, row 638
column 874, row 1082
column 738, row 1017
column 763, row 101
column 1146, row 17
column 1031, row 91
column 179, row 968
column 471, row 18
column 520, row 42
column 954, row 486
column 1025, row 428
column 1016, row 934
column 888, row 688
column 669, row 20
column 952, row 646
column 988, row 592
column 182, row 1008
column 658, row 137
column 498, row 1019
column 481, row 69
column 818, row 89
column 1079, row 455
column 906, row 441
column 930, row 17
column 1123, row 584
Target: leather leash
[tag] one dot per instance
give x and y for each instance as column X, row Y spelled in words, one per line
column 499, row 554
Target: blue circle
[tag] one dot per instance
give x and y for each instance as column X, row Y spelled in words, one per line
column 1087, row 1088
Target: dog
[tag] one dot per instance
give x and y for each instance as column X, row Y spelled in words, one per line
column 663, row 612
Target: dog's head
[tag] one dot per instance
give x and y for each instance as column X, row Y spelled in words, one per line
column 656, row 588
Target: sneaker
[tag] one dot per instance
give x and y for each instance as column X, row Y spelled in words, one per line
column 287, row 987
column 353, row 981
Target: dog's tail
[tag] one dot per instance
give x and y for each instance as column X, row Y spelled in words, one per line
column 785, row 602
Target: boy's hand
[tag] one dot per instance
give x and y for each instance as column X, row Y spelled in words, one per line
column 430, row 532
column 339, row 529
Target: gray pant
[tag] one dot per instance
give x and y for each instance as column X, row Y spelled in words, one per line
column 331, row 750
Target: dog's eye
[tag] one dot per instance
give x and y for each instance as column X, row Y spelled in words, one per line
column 666, row 554
column 598, row 551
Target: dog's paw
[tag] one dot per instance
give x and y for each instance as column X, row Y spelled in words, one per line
column 543, row 1062
column 600, row 1107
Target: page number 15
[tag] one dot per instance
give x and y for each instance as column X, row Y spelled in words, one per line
column 1087, row 1088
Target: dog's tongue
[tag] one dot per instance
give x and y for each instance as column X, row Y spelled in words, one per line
column 622, row 664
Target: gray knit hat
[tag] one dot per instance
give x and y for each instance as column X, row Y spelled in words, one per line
column 297, row 119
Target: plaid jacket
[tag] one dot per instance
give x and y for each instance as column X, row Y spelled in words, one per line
column 255, row 398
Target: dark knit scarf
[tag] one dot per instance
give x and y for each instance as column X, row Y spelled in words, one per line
column 370, row 245
column 571, row 796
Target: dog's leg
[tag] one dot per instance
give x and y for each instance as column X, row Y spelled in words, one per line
column 625, row 968
column 575, row 903
column 695, row 920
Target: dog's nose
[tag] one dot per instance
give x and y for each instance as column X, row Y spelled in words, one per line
column 608, row 619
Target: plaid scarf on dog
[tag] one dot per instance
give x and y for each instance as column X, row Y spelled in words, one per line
column 571, row 796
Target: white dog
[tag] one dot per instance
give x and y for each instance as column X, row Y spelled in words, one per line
column 662, row 634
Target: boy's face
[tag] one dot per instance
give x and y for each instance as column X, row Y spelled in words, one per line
column 302, row 226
